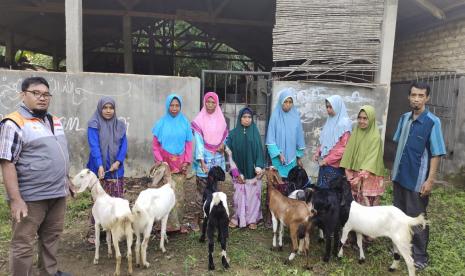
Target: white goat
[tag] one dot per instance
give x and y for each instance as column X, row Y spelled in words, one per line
column 113, row 214
column 383, row 221
column 153, row 204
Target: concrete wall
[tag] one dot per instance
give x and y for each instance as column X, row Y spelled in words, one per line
column 441, row 48
column 311, row 105
column 140, row 102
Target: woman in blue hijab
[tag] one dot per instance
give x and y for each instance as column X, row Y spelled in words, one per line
column 172, row 143
column 285, row 136
column 333, row 140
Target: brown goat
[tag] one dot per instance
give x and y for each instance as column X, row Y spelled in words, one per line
column 287, row 212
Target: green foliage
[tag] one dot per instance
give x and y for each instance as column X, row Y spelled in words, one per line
column 38, row 59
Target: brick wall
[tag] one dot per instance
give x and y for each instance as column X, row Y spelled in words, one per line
column 439, row 49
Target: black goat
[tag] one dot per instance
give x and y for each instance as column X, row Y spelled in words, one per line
column 332, row 206
column 297, row 179
column 216, row 216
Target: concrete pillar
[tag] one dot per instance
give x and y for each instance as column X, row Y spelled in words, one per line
column 388, row 33
column 74, row 53
column 9, row 49
column 127, row 38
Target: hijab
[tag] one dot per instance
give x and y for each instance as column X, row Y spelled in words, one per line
column 173, row 132
column 364, row 151
column 246, row 146
column 335, row 126
column 110, row 131
column 212, row 127
column 285, row 128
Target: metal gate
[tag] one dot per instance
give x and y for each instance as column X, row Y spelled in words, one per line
column 443, row 103
column 237, row 89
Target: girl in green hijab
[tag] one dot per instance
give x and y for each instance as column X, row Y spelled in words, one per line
column 363, row 159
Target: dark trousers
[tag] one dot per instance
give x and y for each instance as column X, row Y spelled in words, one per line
column 413, row 205
column 45, row 219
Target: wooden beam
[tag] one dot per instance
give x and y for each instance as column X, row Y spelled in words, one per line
column 186, row 15
column 433, row 9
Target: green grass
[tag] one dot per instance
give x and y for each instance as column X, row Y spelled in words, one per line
column 250, row 252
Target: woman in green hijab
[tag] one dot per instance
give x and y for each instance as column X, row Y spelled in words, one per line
column 363, row 159
column 247, row 153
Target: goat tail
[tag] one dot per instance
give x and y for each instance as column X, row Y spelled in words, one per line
column 419, row 220
column 216, row 199
column 138, row 214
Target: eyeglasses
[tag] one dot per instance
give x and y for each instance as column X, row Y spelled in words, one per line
column 39, row 94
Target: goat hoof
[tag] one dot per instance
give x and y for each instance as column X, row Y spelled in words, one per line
column 211, row 267
column 225, row 263
column 361, row 261
column 137, row 265
column 280, row 248
column 110, row 255
column 95, row 261
column 325, row 259
column 163, row 249
column 320, row 240
column 202, row 239
column 392, row 269
column 287, row 262
column 307, row 267
column 147, row 265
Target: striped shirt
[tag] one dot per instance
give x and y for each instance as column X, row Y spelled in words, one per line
column 417, row 142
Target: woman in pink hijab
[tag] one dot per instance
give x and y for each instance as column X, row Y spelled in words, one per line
column 210, row 132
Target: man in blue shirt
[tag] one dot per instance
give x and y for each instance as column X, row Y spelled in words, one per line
column 420, row 145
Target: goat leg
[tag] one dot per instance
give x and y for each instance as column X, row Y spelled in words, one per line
column 204, row 229
column 137, row 249
column 211, row 264
column 97, row 242
column 293, row 232
column 336, row 240
column 281, row 232
column 275, row 228
column 224, row 257
column 128, row 233
column 117, row 254
column 361, row 258
column 110, row 252
column 164, row 221
column 395, row 263
column 145, row 243
column 328, row 239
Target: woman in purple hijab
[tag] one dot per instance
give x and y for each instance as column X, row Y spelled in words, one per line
column 108, row 147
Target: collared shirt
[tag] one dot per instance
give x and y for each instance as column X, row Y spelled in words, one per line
column 417, row 142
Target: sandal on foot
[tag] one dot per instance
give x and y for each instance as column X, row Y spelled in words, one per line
column 232, row 225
